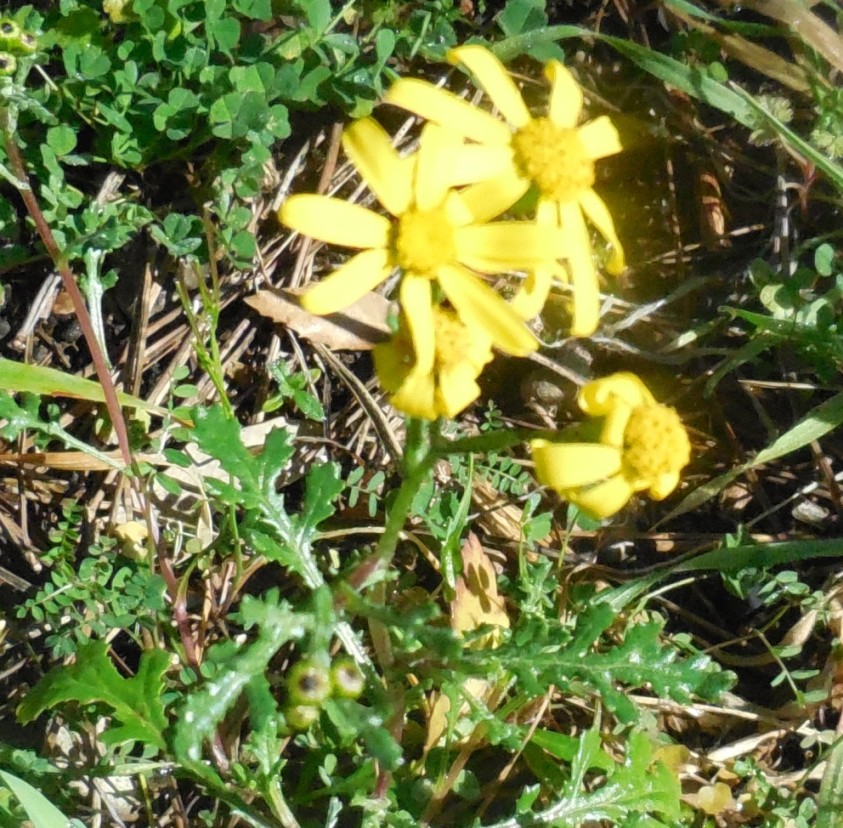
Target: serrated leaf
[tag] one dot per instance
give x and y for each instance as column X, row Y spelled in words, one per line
column 204, row 709
column 322, row 486
column 135, row 702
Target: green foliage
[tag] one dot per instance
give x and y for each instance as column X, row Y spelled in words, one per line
column 134, row 702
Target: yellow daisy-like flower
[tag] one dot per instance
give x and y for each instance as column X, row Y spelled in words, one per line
column 433, row 237
column 549, row 152
column 450, row 384
column 642, row 446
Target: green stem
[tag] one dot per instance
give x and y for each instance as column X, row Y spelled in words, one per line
column 492, row 441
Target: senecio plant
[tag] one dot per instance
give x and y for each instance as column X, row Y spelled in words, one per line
column 443, row 234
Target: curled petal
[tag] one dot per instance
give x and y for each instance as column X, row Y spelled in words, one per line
column 335, row 221
column 415, row 296
column 442, row 107
column 599, row 138
column 604, row 499
column 565, row 95
column 664, row 485
column 477, row 304
column 586, row 290
column 615, row 423
column 389, row 176
column 530, row 298
column 599, row 397
column 598, row 214
column 565, row 466
column 491, row 75
column 343, row 287
column 506, row 245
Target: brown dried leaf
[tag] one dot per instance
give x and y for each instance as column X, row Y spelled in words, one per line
column 359, row 327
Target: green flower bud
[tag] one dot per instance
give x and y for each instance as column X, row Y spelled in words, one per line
column 301, row 716
column 8, row 64
column 346, row 679
column 308, row 682
column 14, row 39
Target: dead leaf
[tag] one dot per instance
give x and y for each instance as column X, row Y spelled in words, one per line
column 477, row 603
column 359, row 327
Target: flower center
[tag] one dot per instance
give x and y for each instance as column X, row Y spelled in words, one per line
column 453, row 339
column 424, row 240
column 655, row 442
column 553, row 158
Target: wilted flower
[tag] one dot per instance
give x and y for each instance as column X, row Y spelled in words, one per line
column 449, row 384
column 642, row 445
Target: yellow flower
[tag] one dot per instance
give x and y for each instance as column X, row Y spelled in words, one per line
column 549, row 152
column 642, row 445
column 449, row 385
column 433, row 237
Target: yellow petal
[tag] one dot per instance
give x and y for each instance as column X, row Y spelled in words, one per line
column 491, row 76
column 442, row 107
column 506, row 245
column 615, row 423
column 598, row 214
column 565, row 102
column 489, row 199
column 457, row 389
column 583, row 275
column 477, row 304
column 664, row 485
column 604, row 499
column 435, row 169
column 564, row 466
column 416, row 396
column 532, row 295
column 599, row 138
column 335, row 221
column 416, row 300
column 343, row 287
column 389, row 176
column 599, row 397
column 478, row 163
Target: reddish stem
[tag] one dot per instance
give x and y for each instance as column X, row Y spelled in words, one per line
column 80, row 309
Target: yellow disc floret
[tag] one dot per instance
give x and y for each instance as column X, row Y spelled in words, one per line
column 554, row 159
column 424, row 241
column 655, row 442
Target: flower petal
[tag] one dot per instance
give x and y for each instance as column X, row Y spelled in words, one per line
column 491, row 76
column 416, row 300
column 615, row 423
column 416, row 396
column 477, row 304
column 564, row 466
column 530, row 298
column 434, row 167
column 389, row 176
column 598, row 214
column 506, row 245
column 585, row 298
column 565, row 102
column 604, row 499
column 343, row 287
column 664, row 485
column 391, row 364
column 443, row 107
column 489, row 199
column 335, row 221
column 457, row 389
column 599, row 138
column 600, row 396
